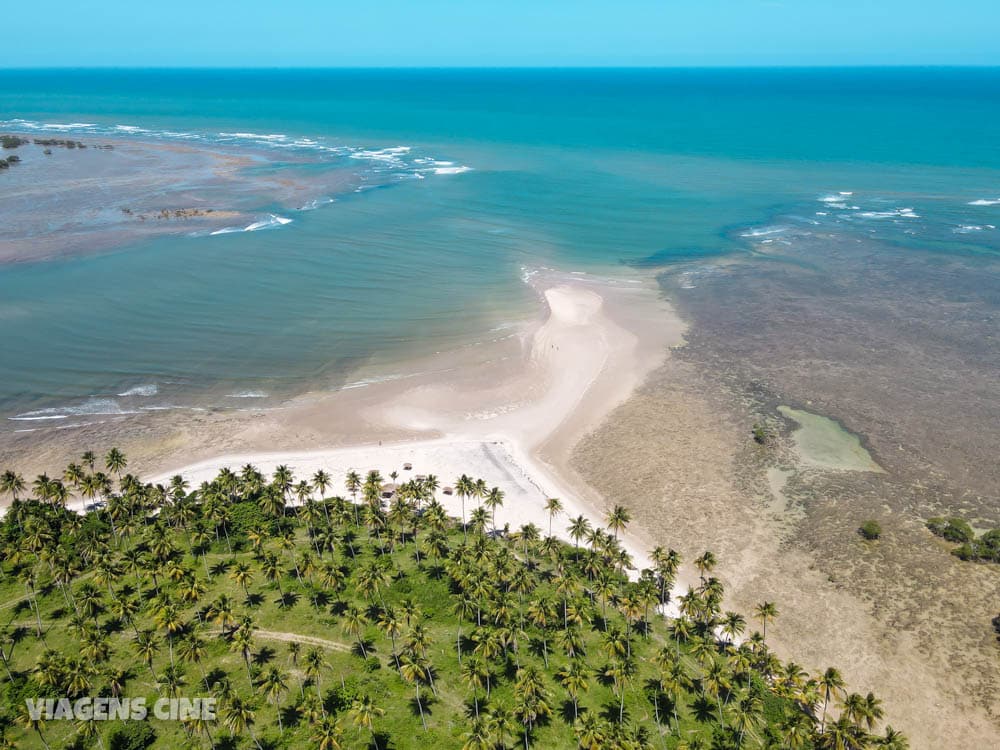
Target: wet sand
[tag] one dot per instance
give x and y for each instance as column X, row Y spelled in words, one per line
column 896, row 346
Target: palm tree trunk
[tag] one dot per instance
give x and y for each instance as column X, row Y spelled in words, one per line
column 253, row 736
column 421, row 707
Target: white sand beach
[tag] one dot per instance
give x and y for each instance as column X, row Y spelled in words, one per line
column 513, row 426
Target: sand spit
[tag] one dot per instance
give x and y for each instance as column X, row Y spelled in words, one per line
column 511, row 420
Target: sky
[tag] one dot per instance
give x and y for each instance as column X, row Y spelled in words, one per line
column 499, row 33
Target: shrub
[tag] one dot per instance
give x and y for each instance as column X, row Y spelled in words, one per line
column 953, row 529
column 870, row 530
column 966, row 552
column 246, row 516
column 760, row 433
column 990, row 544
column 131, row 735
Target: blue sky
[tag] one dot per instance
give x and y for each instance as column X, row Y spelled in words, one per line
column 499, row 33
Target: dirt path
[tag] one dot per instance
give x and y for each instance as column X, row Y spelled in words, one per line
column 296, row 638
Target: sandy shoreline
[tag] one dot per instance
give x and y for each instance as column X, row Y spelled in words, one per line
column 512, row 420
column 510, row 411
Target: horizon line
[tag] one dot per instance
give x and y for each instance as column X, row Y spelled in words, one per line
column 841, row 66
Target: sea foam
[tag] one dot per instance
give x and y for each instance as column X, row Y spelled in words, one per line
column 149, row 389
column 271, row 222
column 91, row 407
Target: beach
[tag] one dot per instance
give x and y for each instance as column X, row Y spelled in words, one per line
column 513, row 423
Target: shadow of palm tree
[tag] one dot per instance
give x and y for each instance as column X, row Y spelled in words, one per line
column 703, row 709
column 264, row 655
column 254, row 600
column 220, row 568
column 369, row 648
column 287, row 600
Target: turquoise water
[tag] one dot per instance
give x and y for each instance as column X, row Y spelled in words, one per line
column 578, row 170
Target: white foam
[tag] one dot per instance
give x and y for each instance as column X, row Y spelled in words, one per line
column 61, row 126
column 91, row 407
column 130, row 129
column 764, row 231
column 970, row 228
column 273, row 137
column 150, row 389
column 247, row 394
column 985, row 202
column 899, row 213
column 452, row 170
column 271, row 222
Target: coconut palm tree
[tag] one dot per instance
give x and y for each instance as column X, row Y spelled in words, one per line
column 592, row 732
column 493, row 501
column 416, row 670
column 705, row 563
column 31, row 723
column 465, row 488
column 893, row 740
column 618, row 519
column 733, row 625
column 364, row 713
column 243, row 575
column 115, row 462
column 578, row 529
column 554, row 507
column 355, row 622
column 480, row 735
column 238, row 716
column 531, row 698
column 328, row 734
column 192, row 650
column 12, row 484
column 313, row 664
column 573, row 677
column 475, row 674
column 765, row 612
column 273, row 684
column 832, row 684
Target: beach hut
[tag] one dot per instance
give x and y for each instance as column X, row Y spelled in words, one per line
column 448, row 491
column 407, row 467
column 388, row 490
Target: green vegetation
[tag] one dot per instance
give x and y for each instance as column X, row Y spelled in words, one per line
column 378, row 622
column 870, row 530
column 985, row 548
column 761, row 434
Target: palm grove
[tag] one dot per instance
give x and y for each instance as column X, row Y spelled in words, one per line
column 374, row 619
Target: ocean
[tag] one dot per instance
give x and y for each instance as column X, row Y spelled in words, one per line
column 433, row 194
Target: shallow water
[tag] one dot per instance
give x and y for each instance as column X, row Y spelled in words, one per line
column 824, row 443
column 486, row 175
